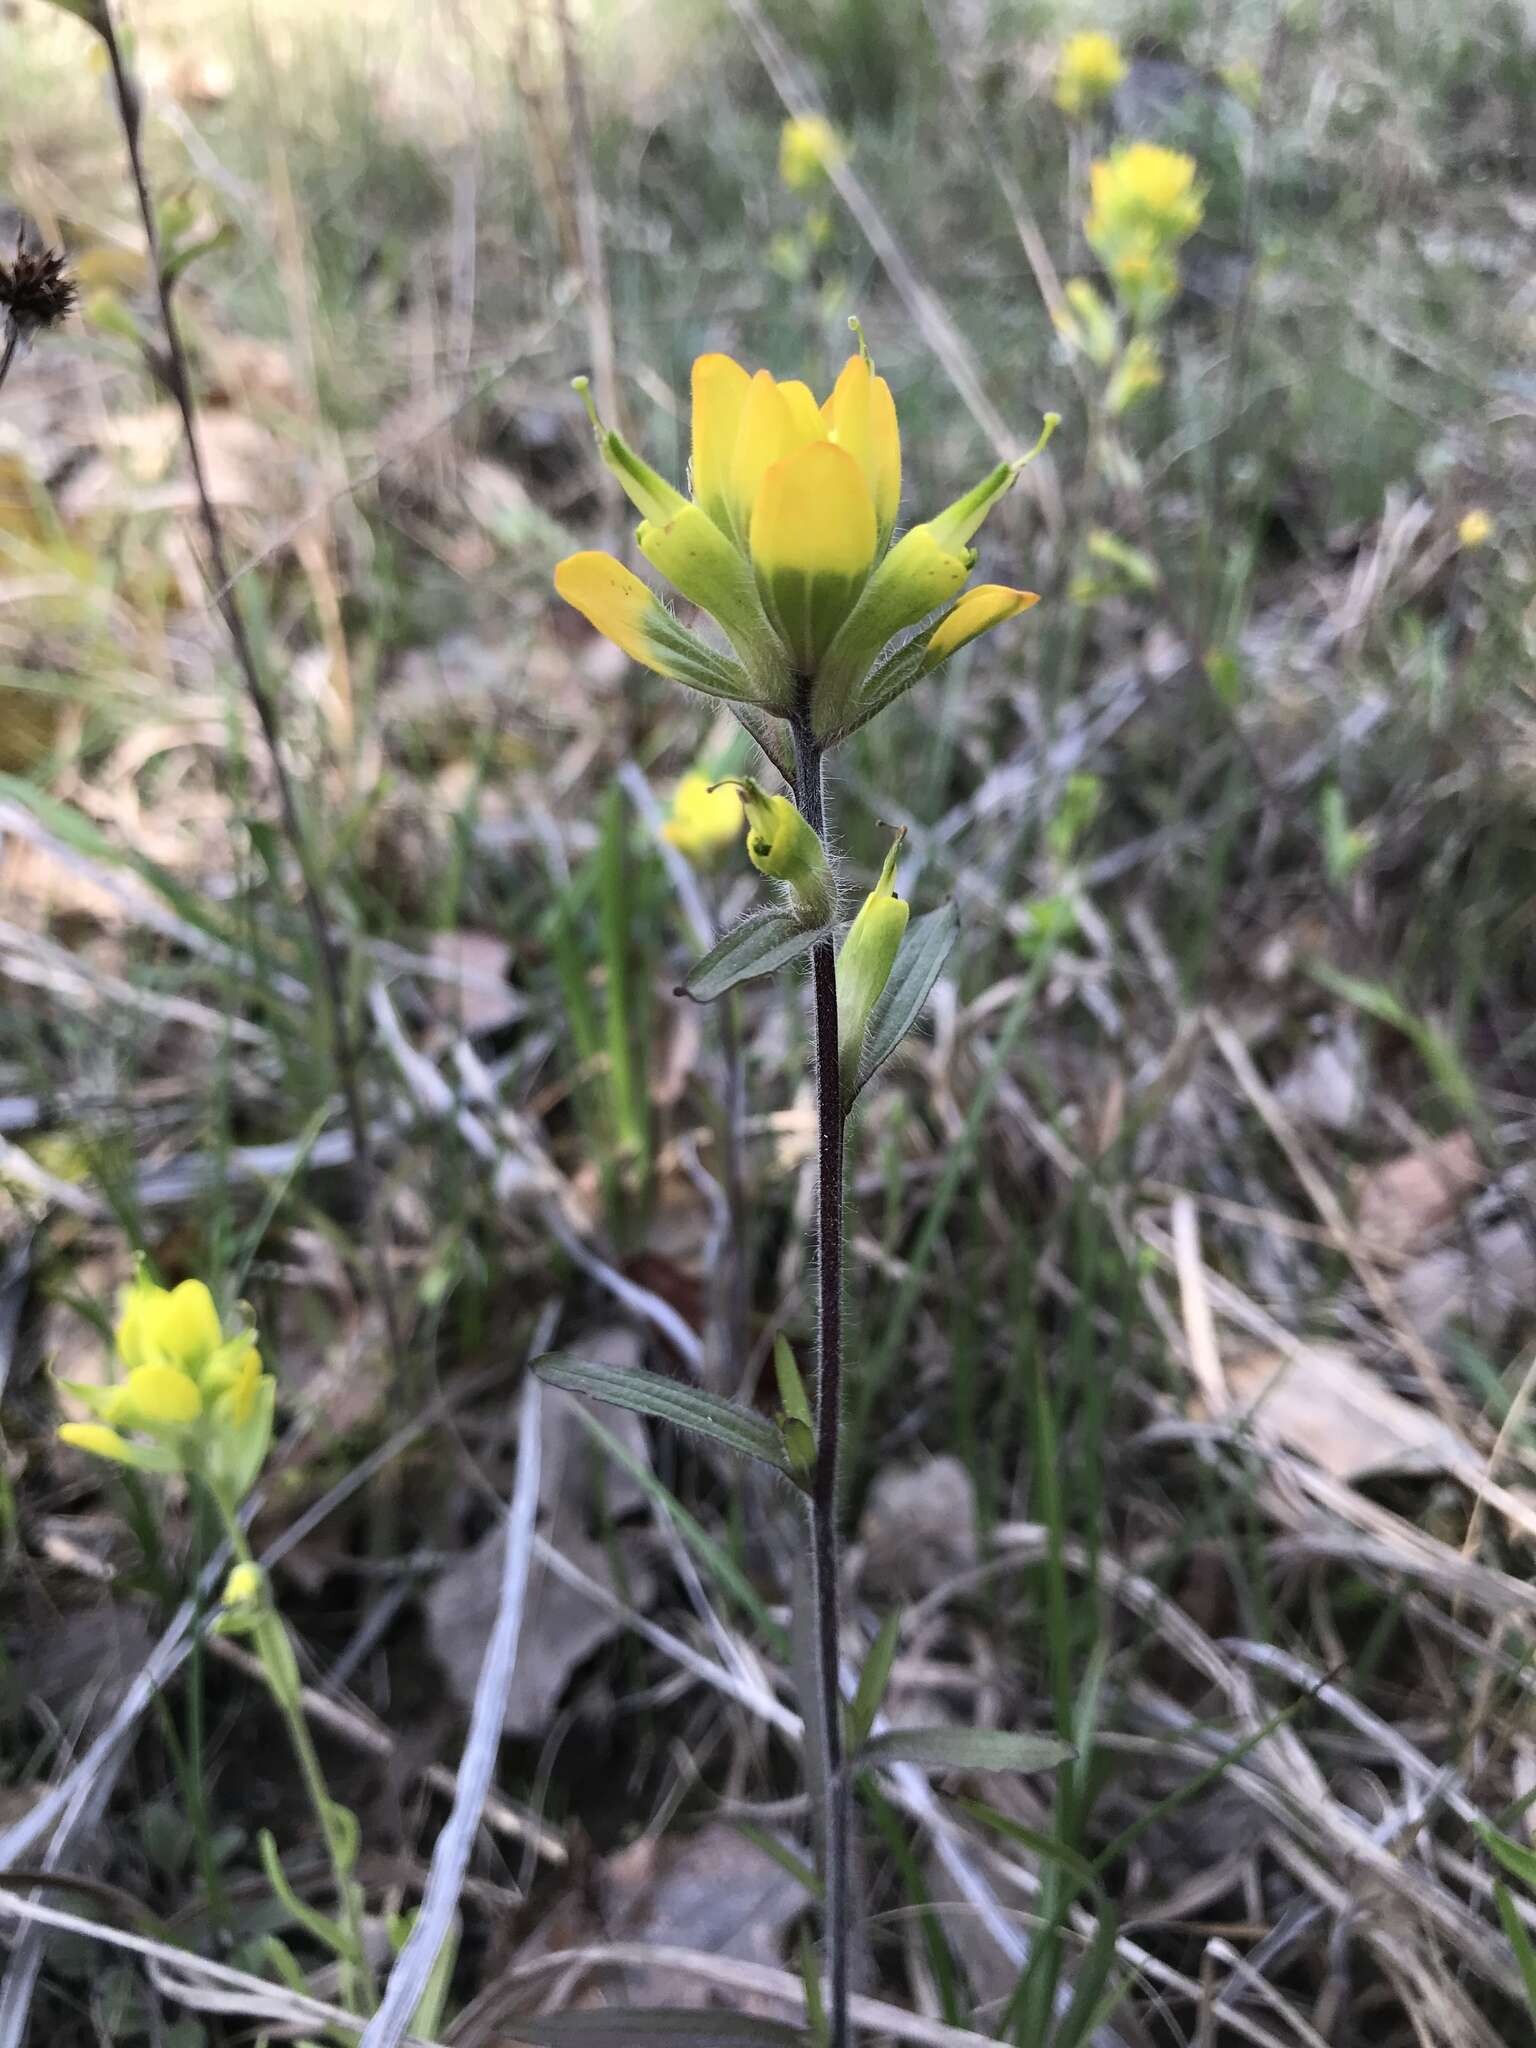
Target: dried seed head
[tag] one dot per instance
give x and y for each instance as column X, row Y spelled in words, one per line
column 36, row 290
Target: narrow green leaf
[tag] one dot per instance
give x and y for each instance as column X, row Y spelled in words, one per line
column 969, row 1749
column 1091, row 2002
column 792, row 1865
column 815, row 2010
column 647, row 1393
column 792, row 1392
column 615, row 2026
column 180, row 259
column 1519, row 1941
column 762, row 945
column 927, row 945
column 873, row 1680
column 715, row 1560
column 313, row 1922
column 1517, row 1860
column 1049, row 1847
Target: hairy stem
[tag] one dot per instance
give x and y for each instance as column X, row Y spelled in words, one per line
column 829, row 1402
column 176, row 375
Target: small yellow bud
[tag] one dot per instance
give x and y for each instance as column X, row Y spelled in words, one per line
column 245, row 1587
column 864, row 964
column 781, row 845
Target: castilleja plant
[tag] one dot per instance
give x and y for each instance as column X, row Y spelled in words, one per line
column 787, row 540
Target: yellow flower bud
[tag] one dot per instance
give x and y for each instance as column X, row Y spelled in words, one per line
column 246, row 1586
column 864, row 964
column 781, row 845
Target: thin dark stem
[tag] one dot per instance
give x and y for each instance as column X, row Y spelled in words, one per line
column 9, row 350
column 176, row 375
column 829, row 1404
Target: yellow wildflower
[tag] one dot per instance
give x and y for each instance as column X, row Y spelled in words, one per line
column 1088, row 70
column 808, row 146
column 194, row 1398
column 785, row 541
column 705, row 820
column 1146, row 204
column 1475, row 528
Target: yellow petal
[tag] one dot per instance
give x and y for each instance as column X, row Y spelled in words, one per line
column 611, row 598
column 884, row 453
column 242, row 1395
column 96, row 1438
column 720, row 389
column 620, row 606
column 988, row 605
column 134, row 1340
column 767, row 435
column 861, row 417
column 184, row 1325
column 160, row 1397
column 814, row 515
column 804, row 412
column 813, row 543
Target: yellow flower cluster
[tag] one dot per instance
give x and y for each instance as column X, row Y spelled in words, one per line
column 787, row 542
column 808, row 147
column 1146, row 205
column 1087, row 71
column 194, row 1399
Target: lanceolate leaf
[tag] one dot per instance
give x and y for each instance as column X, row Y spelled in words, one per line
column 873, row 1680
column 647, row 1393
column 969, row 1749
column 927, row 945
column 657, row 2026
column 761, row 946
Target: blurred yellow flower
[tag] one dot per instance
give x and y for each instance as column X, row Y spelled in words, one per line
column 808, row 146
column 705, row 820
column 1146, row 189
column 1088, row 70
column 1475, row 529
column 1146, row 203
column 195, row 1399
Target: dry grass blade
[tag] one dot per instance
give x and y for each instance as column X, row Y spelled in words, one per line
column 413, row 1969
column 196, row 1982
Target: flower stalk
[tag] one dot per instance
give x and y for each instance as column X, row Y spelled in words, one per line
column 826, row 1547
column 788, row 543
column 248, row 1610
